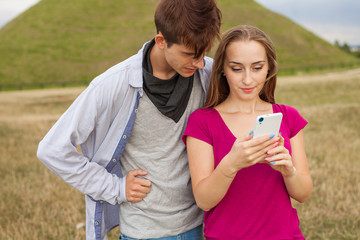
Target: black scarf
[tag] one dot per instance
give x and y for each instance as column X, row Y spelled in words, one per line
column 170, row 96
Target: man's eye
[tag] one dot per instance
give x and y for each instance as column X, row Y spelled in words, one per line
column 189, row 54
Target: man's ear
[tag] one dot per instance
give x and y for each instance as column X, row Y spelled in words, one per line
column 160, row 40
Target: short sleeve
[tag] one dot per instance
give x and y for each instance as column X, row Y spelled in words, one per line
column 197, row 126
column 295, row 121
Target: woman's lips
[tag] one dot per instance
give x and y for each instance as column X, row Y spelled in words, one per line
column 247, row 90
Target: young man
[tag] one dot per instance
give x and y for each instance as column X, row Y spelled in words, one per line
column 129, row 122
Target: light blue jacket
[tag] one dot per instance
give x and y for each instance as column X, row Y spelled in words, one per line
column 100, row 120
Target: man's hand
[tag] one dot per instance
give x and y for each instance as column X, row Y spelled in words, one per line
column 136, row 188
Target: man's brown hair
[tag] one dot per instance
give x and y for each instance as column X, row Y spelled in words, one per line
column 194, row 23
column 219, row 88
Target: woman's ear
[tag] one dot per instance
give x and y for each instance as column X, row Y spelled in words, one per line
column 268, row 73
column 160, row 40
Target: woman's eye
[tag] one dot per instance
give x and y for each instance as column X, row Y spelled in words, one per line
column 257, row 68
column 236, row 69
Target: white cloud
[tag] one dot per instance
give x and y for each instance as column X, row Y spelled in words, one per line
column 16, row 5
column 9, row 9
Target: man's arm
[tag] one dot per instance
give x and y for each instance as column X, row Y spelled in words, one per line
column 58, row 151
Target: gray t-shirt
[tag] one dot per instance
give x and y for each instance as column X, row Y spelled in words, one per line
column 155, row 146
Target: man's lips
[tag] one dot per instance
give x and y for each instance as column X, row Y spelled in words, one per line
column 191, row 69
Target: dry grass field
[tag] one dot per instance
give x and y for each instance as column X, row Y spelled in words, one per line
column 35, row 204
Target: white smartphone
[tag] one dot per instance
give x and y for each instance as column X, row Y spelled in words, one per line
column 267, row 124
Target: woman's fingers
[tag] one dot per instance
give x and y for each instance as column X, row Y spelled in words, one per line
column 278, row 157
column 263, row 147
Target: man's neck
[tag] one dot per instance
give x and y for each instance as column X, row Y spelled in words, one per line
column 161, row 68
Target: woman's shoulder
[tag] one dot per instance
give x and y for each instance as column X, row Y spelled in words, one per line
column 292, row 118
column 200, row 123
column 203, row 112
column 203, row 116
column 285, row 109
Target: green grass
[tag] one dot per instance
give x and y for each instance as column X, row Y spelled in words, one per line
column 332, row 139
column 72, row 41
column 64, row 43
column 322, row 93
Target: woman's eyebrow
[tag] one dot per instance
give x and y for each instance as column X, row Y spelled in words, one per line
column 257, row 62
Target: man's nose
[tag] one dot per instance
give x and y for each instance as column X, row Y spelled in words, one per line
column 198, row 63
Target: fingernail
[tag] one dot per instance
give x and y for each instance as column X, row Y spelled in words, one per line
column 269, row 152
column 251, row 133
column 275, row 144
column 268, row 158
column 272, row 163
column 272, row 135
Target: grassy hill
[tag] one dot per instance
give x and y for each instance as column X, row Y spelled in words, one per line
column 70, row 42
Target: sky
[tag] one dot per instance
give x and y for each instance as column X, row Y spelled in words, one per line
column 10, row 9
column 329, row 19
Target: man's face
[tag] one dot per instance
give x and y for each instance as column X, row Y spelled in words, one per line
column 181, row 59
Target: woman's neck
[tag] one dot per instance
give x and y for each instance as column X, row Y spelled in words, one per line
column 234, row 105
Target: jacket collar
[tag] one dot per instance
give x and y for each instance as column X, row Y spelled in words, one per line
column 136, row 73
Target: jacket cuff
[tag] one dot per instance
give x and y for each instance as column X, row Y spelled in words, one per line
column 122, row 197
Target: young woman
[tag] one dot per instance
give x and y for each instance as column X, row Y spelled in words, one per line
column 245, row 184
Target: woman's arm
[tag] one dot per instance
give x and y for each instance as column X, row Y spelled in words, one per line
column 294, row 169
column 209, row 185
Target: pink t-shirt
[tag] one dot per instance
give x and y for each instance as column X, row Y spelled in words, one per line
column 257, row 205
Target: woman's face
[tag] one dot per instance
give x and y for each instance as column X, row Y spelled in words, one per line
column 245, row 67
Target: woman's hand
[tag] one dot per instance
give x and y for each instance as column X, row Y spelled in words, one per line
column 280, row 159
column 247, row 152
